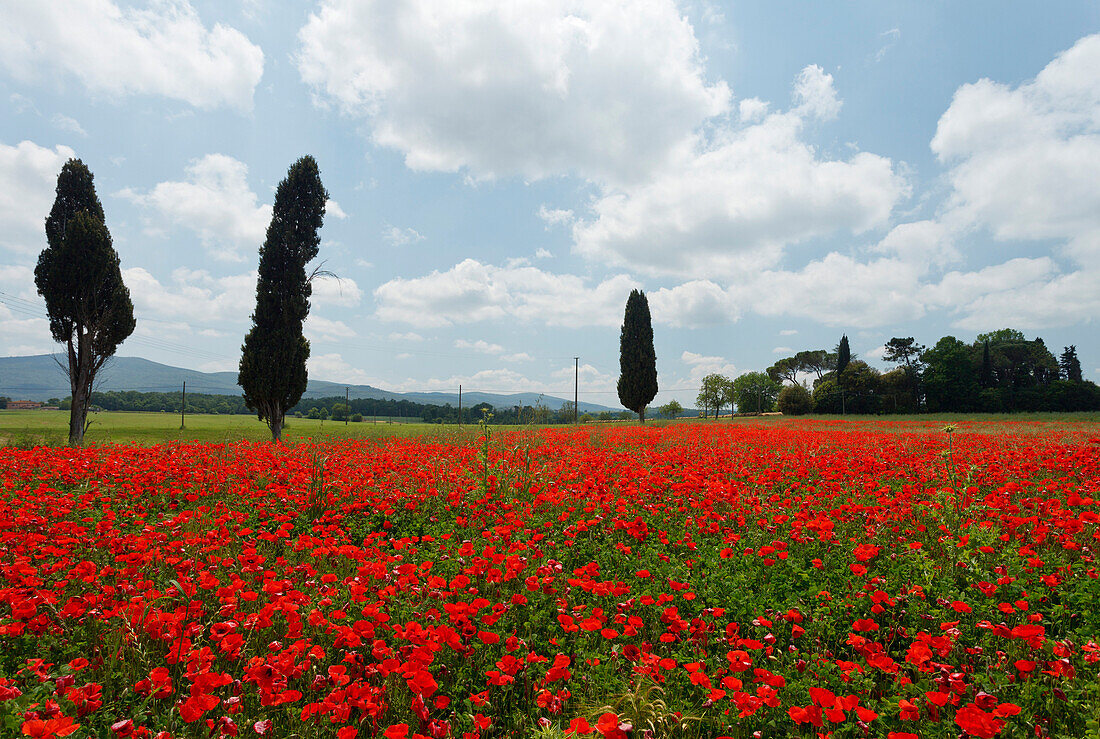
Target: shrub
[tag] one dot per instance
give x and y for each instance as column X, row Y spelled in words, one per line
column 795, row 400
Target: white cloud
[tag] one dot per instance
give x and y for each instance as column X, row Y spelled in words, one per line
column 692, row 304
column 732, row 204
column 815, row 95
column 555, row 216
column 194, row 296
column 324, row 329
column 401, row 236
column 342, row 291
column 1023, row 160
column 541, row 253
column 333, row 210
column 408, row 336
column 782, row 350
column 752, row 110
column 215, row 202
column 481, row 346
column 163, row 49
column 887, row 39
column 471, row 291
column 606, row 89
column 332, row 367
column 920, row 243
column 71, row 125
column 838, row 290
column 28, row 178
column 699, row 366
column 788, row 332
column 517, row 357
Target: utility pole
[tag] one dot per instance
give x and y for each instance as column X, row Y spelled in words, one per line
column 183, row 405
column 347, row 405
column 576, row 386
column 459, row 405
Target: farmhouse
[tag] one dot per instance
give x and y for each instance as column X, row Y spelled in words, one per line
column 23, row 405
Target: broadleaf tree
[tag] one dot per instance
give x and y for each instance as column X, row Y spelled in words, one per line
column 273, row 357
column 79, row 277
column 637, row 384
column 714, row 392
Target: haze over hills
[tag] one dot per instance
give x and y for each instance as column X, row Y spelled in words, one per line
column 39, row 377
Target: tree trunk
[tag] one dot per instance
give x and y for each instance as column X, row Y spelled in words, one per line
column 641, row 416
column 276, row 424
column 80, row 383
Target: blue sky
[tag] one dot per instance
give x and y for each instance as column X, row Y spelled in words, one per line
column 502, row 175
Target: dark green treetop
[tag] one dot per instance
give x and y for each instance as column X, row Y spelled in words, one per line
column 273, row 357
column 637, row 359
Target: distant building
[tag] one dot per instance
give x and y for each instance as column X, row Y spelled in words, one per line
column 24, row 405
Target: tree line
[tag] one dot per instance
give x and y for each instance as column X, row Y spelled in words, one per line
column 999, row 372
column 335, row 408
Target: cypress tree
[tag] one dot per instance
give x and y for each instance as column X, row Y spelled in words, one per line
column 273, row 357
column 843, row 358
column 843, row 355
column 79, row 277
column 637, row 360
column 1070, row 364
column 985, row 379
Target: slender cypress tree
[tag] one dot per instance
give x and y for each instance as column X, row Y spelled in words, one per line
column 1071, row 365
column 985, row 378
column 274, row 354
column 843, row 355
column 843, row 358
column 637, row 359
column 79, row 277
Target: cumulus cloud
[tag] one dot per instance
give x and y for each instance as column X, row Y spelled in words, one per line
column 28, row 176
column 195, row 296
column 555, row 216
column 163, row 49
column 1023, row 160
column 341, row 291
column 733, row 203
column 215, row 201
column 481, row 346
column 325, row 329
column 71, row 125
column 605, row 89
column 699, row 366
column 472, row 291
column 395, row 236
column 693, row 304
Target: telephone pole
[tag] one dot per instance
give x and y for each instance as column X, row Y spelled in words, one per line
column 183, row 405
column 459, row 405
column 347, row 405
column 576, row 385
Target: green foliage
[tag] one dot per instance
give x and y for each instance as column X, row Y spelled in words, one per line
column 1070, row 365
column 755, row 392
column 843, row 354
column 785, row 370
column 274, row 354
column 78, row 276
column 637, row 384
column 671, row 409
column 715, row 391
column 794, row 400
column 950, row 382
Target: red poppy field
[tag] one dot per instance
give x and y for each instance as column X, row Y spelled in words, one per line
column 697, row 580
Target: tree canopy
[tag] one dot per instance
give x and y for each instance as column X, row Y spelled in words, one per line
column 637, row 384
column 273, row 357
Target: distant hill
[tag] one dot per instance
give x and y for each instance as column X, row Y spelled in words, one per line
column 39, row 378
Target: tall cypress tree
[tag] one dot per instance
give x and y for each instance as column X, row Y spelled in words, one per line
column 274, row 354
column 1070, row 364
column 985, row 378
column 843, row 358
column 843, row 354
column 79, row 277
column 637, row 359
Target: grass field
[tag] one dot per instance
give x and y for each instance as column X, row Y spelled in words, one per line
column 27, row 428
column 50, row 428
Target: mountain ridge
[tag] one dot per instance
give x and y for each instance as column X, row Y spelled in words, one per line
column 39, row 377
